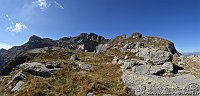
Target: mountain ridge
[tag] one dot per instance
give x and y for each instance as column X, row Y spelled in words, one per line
column 38, row 42
column 84, row 42
column 96, row 64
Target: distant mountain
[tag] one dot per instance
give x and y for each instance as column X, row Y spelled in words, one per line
column 190, row 53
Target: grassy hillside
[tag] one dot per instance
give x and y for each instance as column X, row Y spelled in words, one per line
column 103, row 78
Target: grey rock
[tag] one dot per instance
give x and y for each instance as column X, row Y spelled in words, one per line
column 49, row 66
column 144, row 79
column 36, row 68
column 115, row 60
column 102, row 48
column 126, row 57
column 128, row 65
column 136, row 66
column 57, row 65
column 38, row 50
column 143, row 85
column 132, row 47
column 155, row 55
column 182, row 60
column 142, row 69
column 18, row 86
column 84, row 66
column 88, row 46
column 19, row 76
column 126, row 46
column 74, row 57
column 90, row 94
column 168, row 66
column 120, row 61
column 156, row 68
column 136, row 35
column 10, row 87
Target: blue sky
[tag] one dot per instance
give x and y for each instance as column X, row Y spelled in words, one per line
column 175, row 20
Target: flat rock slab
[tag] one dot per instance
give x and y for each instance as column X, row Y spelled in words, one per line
column 84, row 66
column 36, row 68
column 145, row 85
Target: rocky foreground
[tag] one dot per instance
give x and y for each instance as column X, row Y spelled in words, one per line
column 90, row 65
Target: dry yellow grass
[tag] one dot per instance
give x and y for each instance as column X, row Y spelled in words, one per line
column 103, row 78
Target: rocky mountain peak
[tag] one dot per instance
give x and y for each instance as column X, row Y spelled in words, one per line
column 38, row 42
column 91, row 37
column 136, row 35
column 34, row 38
column 83, row 34
column 2, row 51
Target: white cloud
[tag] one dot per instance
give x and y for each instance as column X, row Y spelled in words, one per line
column 5, row 46
column 45, row 4
column 42, row 4
column 59, row 5
column 9, row 19
column 7, row 15
column 17, row 28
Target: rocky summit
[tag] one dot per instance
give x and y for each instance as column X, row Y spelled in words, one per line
column 91, row 65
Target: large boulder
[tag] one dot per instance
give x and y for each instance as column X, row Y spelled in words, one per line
column 155, row 49
column 142, row 67
column 128, row 64
column 155, row 55
column 36, row 68
column 102, row 48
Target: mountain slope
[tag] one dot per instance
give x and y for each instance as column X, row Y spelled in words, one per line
column 9, row 58
column 69, row 66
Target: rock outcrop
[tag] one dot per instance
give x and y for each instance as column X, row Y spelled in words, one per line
column 35, row 68
column 154, row 55
column 37, row 45
column 146, row 79
column 37, row 42
column 136, row 35
column 153, row 49
column 102, row 48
